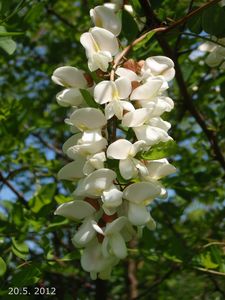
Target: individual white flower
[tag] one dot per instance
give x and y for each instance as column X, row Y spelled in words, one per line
column 125, row 151
column 91, row 142
column 111, row 198
column 100, row 45
column 141, row 192
column 94, row 161
column 105, row 17
column 159, row 168
column 138, row 214
column 136, row 118
column 113, row 242
column 88, row 118
column 158, row 66
column 127, row 73
column 93, row 261
column 95, row 183
column 148, row 91
column 72, row 78
column 80, row 210
column 112, row 92
column 151, row 134
column 158, row 105
column 73, row 170
column 138, row 195
column 75, row 210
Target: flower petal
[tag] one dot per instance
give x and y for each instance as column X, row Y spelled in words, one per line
column 160, row 65
column 97, row 182
column 105, row 40
column 75, row 210
column 88, row 118
column 124, row 72
column 69, row 77
column 141, row 192
column 136, row 118
column 151, row 135
column 159, row 168
column 112, row 197
column 138, row 214
column 115, row 226
column 71, row 142
column 123, row 86
column 72, row 171
column 128, row 169
column 69, row 97
column 148, row 90
column 118, row 245
column 104, row 91
column 85, row 233
column 119, row 149
column 105, row 17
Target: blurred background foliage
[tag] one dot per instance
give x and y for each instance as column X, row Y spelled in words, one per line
column 184, row 258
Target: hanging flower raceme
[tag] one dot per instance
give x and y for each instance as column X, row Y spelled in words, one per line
column 115, row 183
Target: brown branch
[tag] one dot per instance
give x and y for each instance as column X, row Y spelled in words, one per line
column 191, row 14
column 131, row 274
column 129, row 47
column 158, row 281
column 50, row 146
column 210, row 271
column 152, row 22
column 19, row 195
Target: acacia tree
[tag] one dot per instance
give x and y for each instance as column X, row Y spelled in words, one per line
column 184, row 256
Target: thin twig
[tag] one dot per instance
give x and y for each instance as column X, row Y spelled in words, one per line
column 50, row 146
column 20, row 196
column 191, row 14
column 129, row 47
column 210, row 271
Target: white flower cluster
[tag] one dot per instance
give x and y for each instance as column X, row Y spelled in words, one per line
column 216, row 56
column 112, row 210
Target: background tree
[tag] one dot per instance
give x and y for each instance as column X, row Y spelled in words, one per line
column 184, row 257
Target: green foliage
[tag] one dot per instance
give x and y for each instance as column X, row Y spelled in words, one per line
column 2, row 267
column 184, row 257
column 159, row 151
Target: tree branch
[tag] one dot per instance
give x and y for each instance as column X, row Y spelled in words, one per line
column 190, row 15
column 13, row 189
column 50, row 146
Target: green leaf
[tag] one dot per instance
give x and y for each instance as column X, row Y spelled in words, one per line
column 7, row 34
column 88, row 98
column 20, row 249
column 43, row 197
column 34, row 13
column 2, row 267
column 195, row 24
column 158, row 151
column 147, row 38
column 6, row 43
column 129, row 26
column 27, row 275
column 213, row 20
column 206, row 261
